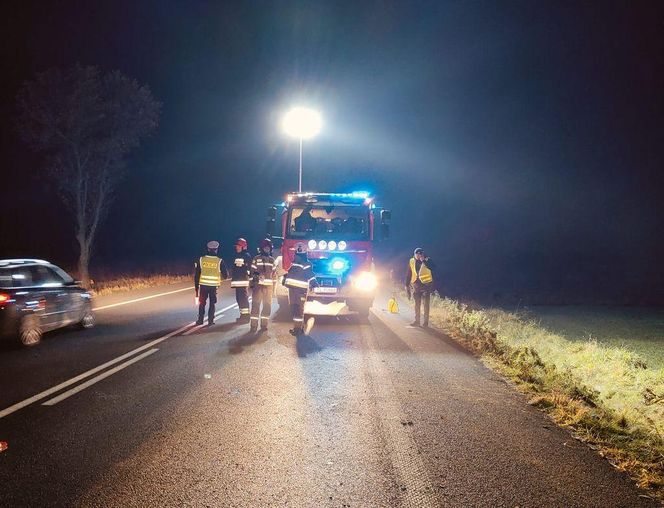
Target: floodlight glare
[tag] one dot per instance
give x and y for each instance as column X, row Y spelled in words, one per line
column 303, row 123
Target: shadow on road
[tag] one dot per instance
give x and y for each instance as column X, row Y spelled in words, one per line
column 237, row 344
column 305, row 345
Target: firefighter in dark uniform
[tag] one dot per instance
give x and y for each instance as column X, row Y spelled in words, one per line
column 241, row 276
column 209, row 271
column 264, row 273
column 298, row 280
column 419, row 284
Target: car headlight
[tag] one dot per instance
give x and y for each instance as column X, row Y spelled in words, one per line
column 366, row 281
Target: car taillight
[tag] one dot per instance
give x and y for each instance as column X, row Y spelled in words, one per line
column 4, row 297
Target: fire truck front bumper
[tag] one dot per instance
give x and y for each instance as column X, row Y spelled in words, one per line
column 331, row 308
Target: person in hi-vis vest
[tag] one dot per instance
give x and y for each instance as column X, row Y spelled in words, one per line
column 419, row 284
column 209, row 272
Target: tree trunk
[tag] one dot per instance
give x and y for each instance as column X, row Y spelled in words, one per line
column 83, row 262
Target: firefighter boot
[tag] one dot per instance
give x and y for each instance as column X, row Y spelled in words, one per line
column 309, row 326
column 254, row 324
column 264, row 322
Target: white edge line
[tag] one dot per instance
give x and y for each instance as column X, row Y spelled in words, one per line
column 141, row 299
column 96, row 379
column 50, row 391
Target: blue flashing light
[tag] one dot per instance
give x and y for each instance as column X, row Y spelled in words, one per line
column 360, row 194
column 337, row 265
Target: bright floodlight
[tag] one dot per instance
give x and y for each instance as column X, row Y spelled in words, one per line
column 303, row 123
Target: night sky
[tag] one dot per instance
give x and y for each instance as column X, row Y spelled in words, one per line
column 520, row 143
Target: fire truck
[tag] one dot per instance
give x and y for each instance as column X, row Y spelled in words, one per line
column 338, row 230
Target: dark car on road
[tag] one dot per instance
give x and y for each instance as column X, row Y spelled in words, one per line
column 36, row 297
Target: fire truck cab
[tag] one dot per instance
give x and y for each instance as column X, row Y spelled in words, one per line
column 338, row 231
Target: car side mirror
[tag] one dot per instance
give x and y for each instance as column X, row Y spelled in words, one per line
column 385, row 218
column 271, row 220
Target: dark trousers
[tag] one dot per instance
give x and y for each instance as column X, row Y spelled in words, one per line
column 242, row 298
column 422, row 295
column 205, row 292
column 296, row 299
column 261, row 296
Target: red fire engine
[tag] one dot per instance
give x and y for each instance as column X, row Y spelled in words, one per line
column 338, row 231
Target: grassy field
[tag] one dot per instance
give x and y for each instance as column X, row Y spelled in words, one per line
column 637, row 329
column 128, row 283
column 597, row 371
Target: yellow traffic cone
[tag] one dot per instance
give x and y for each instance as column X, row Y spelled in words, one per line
column 392, row 305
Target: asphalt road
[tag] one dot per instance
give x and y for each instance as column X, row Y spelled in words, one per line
column 357, row 414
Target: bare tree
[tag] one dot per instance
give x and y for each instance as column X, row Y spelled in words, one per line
column 86, row 123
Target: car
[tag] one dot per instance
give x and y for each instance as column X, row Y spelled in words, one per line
column 36, row 297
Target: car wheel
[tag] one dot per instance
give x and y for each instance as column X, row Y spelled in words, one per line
column 30, row 332
column 88, row 319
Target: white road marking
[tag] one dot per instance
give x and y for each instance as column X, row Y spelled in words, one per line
column 76, row 379
column 217, row 314
column 96, row 379
column 65, row 384
column 141, row 299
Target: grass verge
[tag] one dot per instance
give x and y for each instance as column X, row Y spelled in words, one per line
column 120, row 284
column 608, row 396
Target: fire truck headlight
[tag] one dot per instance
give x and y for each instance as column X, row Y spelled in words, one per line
column 312, row 244
column 322, row 245
column 366, row 281
column 332, row 245
column 342, row 245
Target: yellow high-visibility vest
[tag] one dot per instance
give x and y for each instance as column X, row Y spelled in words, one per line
column 210, row 271
column 425, row 274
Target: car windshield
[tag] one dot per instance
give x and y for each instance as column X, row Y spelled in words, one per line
column 344, row 222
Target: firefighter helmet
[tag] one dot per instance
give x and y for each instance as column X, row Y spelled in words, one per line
column 417, row 251
column 241, row 242
column 266, row 243
column 213, row 245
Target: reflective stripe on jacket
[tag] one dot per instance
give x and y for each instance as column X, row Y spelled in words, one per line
column 300, row 277
column 263, row 267
column 241, row 270
column 425, row 275
column 210, row 271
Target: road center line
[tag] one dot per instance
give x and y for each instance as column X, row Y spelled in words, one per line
column 217, row 314
column 57, row 388
column 141, row 299
column 96, row 379
column 76, row 379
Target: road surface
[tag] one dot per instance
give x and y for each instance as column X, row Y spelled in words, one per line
column 146, row 410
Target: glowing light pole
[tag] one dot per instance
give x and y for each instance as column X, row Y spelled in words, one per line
column 302, row 123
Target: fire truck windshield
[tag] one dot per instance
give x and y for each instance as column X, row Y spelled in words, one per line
column 349, row 222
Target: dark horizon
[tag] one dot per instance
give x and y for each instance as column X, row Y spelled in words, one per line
column 521, row 144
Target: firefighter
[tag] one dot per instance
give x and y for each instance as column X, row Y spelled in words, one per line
column 241, row 275
column 419, row 284
column 298, row 280
column 209, row 271
column 263, row 271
